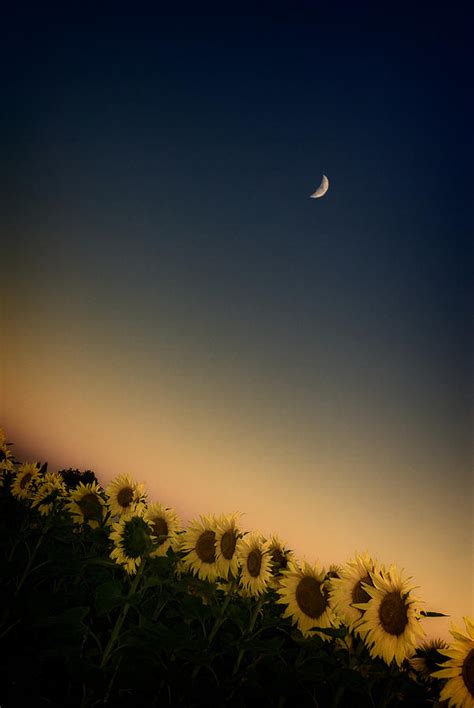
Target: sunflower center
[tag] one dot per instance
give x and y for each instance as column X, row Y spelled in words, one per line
column 228, row 542
column 25, row 480
column 279, row 560
column 136, row 537
column 393, row 613
column 206, row 547
column 160, row 528
column 90, row 506
column 125, row 496
column 358, row 592
column 309, row 597
column 254, row 562
column 468, row 672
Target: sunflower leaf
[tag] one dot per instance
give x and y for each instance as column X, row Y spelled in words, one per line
column 331, row 631
column 108, row 596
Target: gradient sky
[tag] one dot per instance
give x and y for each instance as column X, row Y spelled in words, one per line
column 176, row 307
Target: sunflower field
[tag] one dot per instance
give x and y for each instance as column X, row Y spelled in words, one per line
column 107, row 599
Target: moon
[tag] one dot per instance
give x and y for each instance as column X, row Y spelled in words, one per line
column 322, row 189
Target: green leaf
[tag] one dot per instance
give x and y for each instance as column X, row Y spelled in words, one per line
column 331, row 631
column 108, row 596
column 433, row 614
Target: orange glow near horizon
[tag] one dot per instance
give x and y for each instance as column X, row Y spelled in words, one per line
column 214, row 456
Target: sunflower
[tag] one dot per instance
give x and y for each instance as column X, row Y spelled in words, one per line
column 255, row 560
column 427, row 657
column 6, row 455
column 165, row 525
column 227, row 536
column 26, row 480
column 199, row 544
column 51, row 490
column 281, row 555
column 304, row 592
column 124, row 494
column 459, row 668
column 133, row 539
column 87, row 505
column 345, row 589
column 390, row 624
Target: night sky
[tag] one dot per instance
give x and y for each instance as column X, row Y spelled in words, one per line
column 176, row 306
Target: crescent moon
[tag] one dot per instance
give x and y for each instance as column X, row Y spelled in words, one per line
column 322, row 189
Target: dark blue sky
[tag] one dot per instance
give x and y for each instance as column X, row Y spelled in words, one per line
column 186, row 148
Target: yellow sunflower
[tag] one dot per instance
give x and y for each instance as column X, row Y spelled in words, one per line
column 281, row 558
column 87, row 505
column 50, row 491
column 255, row 561
column 227, row 535
column 133, row 540
column 427, row 657
column 124, row 494
column 391, row 621
column 459, row 668
column 26, row 480
column 280, row 553
column 303, row 590
column 165, row 525
column 199, row 544
column 6, row 458
column 346, row 589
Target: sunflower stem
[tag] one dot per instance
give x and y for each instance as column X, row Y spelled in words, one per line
column 253, row 619
column 218, row 622
column 121, row 618
column 27, row 569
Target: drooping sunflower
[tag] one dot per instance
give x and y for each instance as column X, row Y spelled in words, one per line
column 124, row 494
column 303, row 590
column 133, row 539
column 427, row 657
column 255, row 561
column 165, row 525
column 346, row 589
column 459, row 667
column 199, row 544
column 26, row 480
column 227, row 536
column 51, row 492
column 391, row 622
column 87, row 505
